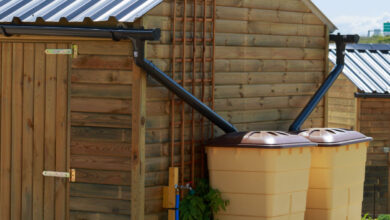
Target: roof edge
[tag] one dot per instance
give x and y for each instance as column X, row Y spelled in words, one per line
column 372, row 95
column 332, row 27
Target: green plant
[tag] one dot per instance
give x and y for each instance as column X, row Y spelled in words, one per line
column 202, row 203
column 367, row 217
column 384, row 217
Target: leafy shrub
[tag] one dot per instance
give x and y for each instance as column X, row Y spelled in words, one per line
column 380, row 217
column 202, row 203
column 384, row 217
column 367, row 217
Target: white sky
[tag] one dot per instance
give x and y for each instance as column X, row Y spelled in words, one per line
column 356, row 16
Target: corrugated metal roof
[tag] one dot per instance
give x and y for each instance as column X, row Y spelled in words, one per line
column 74, row 10
column 367, row 66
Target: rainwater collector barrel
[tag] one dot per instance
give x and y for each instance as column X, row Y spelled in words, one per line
column 264, row 175
column 337, row 174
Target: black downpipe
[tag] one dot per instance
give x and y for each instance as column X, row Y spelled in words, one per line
column 138, row 37
column 178, row 90
column 341, row 42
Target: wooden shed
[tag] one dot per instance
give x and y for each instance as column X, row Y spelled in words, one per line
column 359, row 100
column 84, row 104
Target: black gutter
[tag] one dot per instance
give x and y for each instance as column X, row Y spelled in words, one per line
column 115, row 34
column 372, row 95
column 341, row 42
column 138, row 37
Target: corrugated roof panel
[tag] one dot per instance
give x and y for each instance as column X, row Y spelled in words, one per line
column 367, row 66
column 74, row 10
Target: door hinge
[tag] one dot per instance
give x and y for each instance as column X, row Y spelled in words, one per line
column 73, row 51
column 58, row 51
column 71, row 175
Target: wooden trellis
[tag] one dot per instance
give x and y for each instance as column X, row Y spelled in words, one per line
column 193, row 68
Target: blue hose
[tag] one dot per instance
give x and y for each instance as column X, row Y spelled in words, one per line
column 177, row 206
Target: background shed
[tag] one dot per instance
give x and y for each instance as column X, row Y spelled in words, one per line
column 360, row 100
column 256, row 62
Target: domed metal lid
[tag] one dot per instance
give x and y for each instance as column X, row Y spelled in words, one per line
column 261, row 139
column 334, row 136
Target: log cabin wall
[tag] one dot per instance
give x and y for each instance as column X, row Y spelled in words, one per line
column 270, row 57
column 185, row 137
column 374, row 121
column 101, row 101
column 341, row 104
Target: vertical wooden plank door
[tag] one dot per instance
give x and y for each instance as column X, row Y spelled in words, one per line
column 34, row 131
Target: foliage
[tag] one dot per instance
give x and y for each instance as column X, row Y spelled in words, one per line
column 380, row 217
column 202, row 203
column 367, row 217
column 375, row 40
column 384, row 217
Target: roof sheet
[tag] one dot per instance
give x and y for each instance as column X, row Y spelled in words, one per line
column 74, row 10
column 367, row 66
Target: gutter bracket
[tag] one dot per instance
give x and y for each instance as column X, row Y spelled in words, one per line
column 5, row 32
column 114, row 38
column 138, row 50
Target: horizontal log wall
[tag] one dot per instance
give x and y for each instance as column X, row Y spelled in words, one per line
column 101, row 91
column 342, row 104
column 270, row 58
column 374, row 121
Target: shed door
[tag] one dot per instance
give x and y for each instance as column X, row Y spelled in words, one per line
column 34, row 131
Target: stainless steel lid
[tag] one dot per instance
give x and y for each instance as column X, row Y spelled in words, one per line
column 261, row 139
column 334, row 136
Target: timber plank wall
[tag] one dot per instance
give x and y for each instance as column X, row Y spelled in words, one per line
column 34, row 132
column 374, row 121
column 341, row 104
column 101, row 130
column 270, row 58
column 101, row 120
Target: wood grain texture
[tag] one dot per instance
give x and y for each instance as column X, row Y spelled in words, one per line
column 50, row 132
column 28, row 132
column 101, row 119
column 28, row 112
column 39, row 130
column 17, row 134
column 138, row 145
column 61, row 124
column 6, row 125
column 102, row 62
column 342, row 107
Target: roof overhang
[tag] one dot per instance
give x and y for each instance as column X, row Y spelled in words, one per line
column 372, row 95
column 332, row 27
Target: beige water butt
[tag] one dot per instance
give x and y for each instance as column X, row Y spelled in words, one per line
column 263, row 174
column 336, row 174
